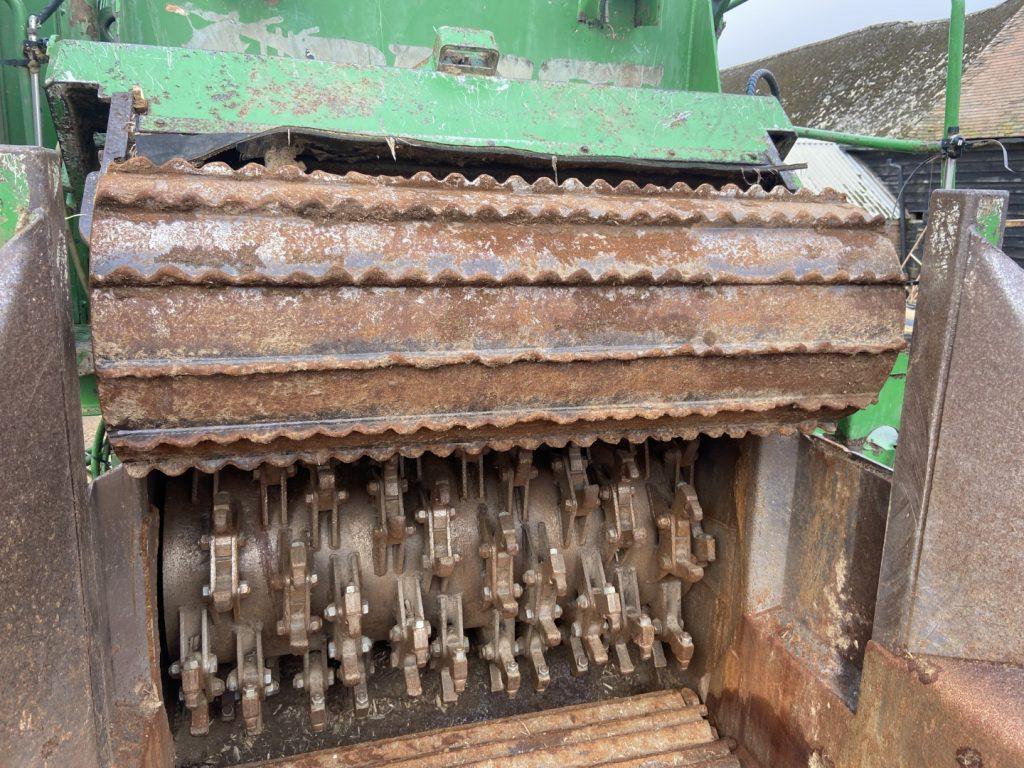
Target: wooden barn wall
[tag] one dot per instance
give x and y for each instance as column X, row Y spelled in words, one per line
column 980, row 168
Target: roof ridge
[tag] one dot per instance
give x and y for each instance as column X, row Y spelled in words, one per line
column 830, row 40
column 887, row 78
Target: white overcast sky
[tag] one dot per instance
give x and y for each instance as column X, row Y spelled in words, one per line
column 764, row 27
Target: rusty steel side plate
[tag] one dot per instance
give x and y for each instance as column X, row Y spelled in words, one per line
column 255, row 315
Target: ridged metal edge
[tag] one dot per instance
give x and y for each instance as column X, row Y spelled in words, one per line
column 188, row 437
column 179, row 465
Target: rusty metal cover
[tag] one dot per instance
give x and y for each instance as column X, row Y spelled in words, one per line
column 253, row 315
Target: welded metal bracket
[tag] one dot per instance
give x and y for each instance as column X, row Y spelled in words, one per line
column 579, row 497
column 345, row 613
column 390, row 535
column 196, row 667
column 296, row 580
column 225, row 588
column 410, row 637
column 451, row 648
column 325, row 496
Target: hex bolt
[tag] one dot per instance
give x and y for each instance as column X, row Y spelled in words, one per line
column 331, row 611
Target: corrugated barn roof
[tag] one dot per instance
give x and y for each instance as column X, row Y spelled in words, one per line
column 889, row 79
column 829, row 166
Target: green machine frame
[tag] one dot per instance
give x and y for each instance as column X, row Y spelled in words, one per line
column 628, row 84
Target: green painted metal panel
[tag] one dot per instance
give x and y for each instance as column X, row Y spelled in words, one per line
column 193, row 91
column 13, row 194
column 72, row 20
column 663, row 43
column 856, row 430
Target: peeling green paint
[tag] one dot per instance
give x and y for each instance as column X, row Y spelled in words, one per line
column 191, row 91
column 990, row 220
column 13, row 194
column 856, row 429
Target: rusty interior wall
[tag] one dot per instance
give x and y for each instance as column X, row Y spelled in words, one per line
column 799, row 526
column 129, row 538
column 821, row 669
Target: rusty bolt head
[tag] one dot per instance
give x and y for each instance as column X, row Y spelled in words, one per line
column 366, row 644
column 298, row 683
column 582, row 602
column 331, row 611
column 243, row 588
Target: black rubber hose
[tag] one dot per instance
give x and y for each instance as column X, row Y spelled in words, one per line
column 48, row 11
column 768, row 77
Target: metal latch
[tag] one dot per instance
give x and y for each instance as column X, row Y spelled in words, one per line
column 461, row 51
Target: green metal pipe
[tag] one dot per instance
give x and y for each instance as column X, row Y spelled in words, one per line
column 884, row 143
column 11, row 48
column 955, row 67
column 954, row 77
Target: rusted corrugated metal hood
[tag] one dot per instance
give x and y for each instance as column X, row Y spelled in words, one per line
column 256, row 315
